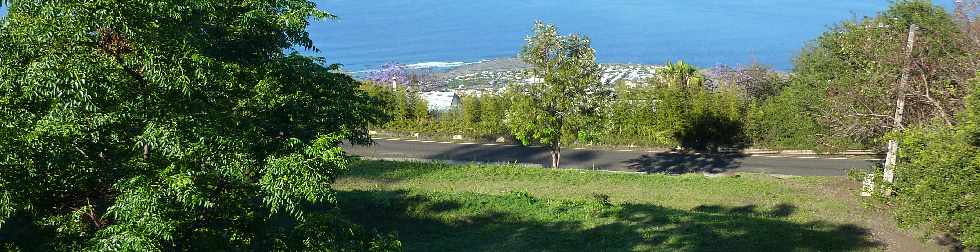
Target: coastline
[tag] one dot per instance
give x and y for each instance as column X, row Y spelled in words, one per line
column 493, row 74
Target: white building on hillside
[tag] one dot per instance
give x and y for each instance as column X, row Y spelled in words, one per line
column 441, row 101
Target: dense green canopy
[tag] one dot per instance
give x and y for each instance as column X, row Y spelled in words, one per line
column 170, row 125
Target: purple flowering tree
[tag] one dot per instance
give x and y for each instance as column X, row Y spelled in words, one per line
column 395, row 74
column 968, row 14
column 758, row 81
column 391, row 73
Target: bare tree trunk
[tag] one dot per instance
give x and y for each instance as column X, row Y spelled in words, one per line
column 555, row 154
column 891, row 158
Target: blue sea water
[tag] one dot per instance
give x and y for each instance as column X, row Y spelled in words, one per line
column 702, row 32
column 370, row 33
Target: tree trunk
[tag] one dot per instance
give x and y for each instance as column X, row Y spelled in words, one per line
column 555, row 154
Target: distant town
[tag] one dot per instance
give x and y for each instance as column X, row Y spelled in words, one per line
column 496, row 74
column 442, row 89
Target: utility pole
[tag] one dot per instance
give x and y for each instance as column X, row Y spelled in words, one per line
column 891, row 158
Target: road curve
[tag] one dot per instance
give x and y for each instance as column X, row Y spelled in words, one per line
column 624, row 160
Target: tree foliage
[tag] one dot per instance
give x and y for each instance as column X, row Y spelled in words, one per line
column 403, row 107
column 757, row 82
column 483, row 116
column 632, row 118
column 787, row 121
column 967, row 14
column 493, row 110
column 940, row 176
column 698, row 118
column 569, row 93
column 172, row 125
column 846, row 79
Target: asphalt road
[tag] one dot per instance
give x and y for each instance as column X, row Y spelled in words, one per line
column 623, row 160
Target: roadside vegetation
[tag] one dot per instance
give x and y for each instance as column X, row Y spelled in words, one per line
column 694, row 111
column 939, row 176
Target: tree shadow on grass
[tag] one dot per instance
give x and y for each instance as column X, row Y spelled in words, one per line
column 473, row 222
column 680, row 163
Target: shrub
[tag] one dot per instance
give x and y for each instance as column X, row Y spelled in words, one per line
column 938, row 177
column 713, row 120
column 405, row 108
column 633, row 119
column 696, row 117
column 787, row 120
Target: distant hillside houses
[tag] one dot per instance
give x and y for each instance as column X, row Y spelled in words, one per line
column 628, row 73
column 496, row 78
column 441, row 100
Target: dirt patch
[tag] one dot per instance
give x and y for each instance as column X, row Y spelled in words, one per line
column 878, row 219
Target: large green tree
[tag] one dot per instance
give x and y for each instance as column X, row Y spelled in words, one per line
column 849, row 76
column 566, row 95
column 171, row 125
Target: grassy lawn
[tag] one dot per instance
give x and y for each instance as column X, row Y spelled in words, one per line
column 442, row 207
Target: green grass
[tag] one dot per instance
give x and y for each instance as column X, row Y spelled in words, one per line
column 442, row 207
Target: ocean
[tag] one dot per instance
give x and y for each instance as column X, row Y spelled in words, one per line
column 701, row 32
column 446, row 33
